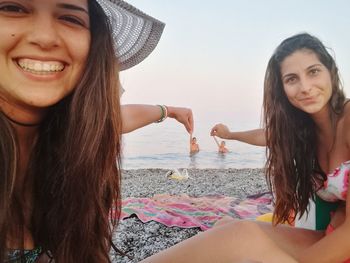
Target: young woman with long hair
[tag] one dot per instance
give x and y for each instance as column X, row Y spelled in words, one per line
column 61, row 124
column 306, row 123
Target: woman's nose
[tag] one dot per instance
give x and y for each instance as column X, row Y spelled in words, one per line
column 43, row 32
column 305, row 86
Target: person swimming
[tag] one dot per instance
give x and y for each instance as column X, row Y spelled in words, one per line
column 194, row 147
column 222, row 146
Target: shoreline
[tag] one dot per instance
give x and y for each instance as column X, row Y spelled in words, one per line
column 141, row 240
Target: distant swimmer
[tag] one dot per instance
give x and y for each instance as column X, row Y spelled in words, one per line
column 222, row 146
column 194, row 147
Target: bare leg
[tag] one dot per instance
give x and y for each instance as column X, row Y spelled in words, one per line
column 224, row 220
column 241, row 241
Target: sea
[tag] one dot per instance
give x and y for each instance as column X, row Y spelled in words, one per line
column 166, row 145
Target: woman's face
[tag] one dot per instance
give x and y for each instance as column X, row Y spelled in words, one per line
column 306, row 81
column 43, row 49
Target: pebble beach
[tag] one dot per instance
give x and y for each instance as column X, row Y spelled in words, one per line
column 140, row 240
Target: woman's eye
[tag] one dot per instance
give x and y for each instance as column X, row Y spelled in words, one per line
column 11, row 8
column 73, row 20
column 314, row 71
column 290, row 80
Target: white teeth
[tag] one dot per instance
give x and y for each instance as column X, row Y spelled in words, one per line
column 46, row 67
column 40, row 67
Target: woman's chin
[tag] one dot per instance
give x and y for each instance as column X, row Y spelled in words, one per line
column 39, row 104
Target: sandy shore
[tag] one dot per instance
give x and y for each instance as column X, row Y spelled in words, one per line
column 142, row 240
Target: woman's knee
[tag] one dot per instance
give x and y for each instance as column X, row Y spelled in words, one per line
column 225, row 220
column 244, row 226
column 245, row 231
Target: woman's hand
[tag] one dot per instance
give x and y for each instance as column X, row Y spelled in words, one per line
column 182, row 115
column 220, row 130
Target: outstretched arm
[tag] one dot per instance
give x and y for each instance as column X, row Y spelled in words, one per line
column 254, row 137
column 135, row 116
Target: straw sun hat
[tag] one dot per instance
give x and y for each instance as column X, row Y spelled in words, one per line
column 135, row 33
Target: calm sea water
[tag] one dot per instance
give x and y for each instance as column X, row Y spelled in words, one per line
column 166, row 145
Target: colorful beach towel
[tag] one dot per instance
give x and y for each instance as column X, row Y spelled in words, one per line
column 186, row 212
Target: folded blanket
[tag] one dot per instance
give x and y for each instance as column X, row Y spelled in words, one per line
column 186, row 212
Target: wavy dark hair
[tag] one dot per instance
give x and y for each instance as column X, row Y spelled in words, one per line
column 292, row 169
column 75, row 164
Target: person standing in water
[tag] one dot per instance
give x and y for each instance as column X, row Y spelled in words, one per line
column 194, row 147
column 222, row 145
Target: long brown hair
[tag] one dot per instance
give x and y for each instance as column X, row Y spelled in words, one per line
column 75, row 164
column 292, row 168
column 8, row 170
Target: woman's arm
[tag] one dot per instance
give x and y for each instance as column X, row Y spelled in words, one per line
column 254, row 137
column 334, row 247
column 135, row 116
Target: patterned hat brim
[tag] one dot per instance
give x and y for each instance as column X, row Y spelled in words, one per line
column 135, row 33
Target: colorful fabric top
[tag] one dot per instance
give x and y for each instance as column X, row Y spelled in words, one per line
column 14, row 256
column 336, row 186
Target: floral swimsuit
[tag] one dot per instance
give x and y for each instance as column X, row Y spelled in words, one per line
column 336, row 188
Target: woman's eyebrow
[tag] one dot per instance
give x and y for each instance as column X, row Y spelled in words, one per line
column 72, row 7
column 314, row 65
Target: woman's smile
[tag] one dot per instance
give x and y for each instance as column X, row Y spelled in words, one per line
column 309, row 99
column 40, row 69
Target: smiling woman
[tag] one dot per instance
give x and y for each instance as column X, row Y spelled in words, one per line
column 44, row 59
column 306, row 131
column 60, row 124
column 308, row 84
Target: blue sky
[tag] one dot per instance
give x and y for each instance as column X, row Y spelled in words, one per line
column 213, row 54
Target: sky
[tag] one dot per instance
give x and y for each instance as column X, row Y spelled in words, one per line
column 213, row 54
